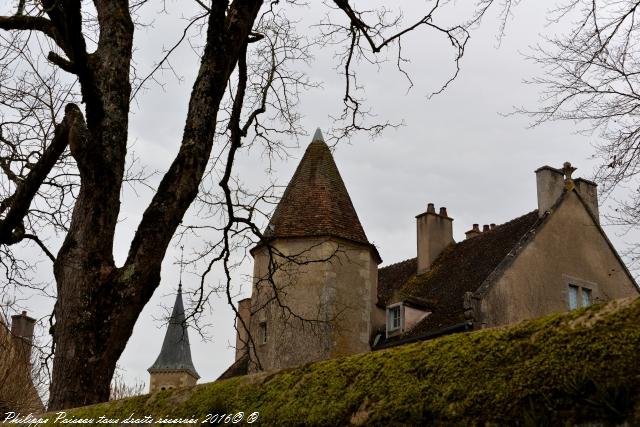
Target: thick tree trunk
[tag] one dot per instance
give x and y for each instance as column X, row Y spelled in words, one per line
column 88, row 297
column 98, row 304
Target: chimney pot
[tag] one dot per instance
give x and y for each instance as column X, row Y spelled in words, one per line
column 443, row 212
column 485, row 228
column 475, row 231
column 431, row 208
column 492, row 225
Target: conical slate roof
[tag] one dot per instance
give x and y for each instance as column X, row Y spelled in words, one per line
column 176, row 352
column 316, row 201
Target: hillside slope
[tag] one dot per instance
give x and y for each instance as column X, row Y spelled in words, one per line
column 560, row 370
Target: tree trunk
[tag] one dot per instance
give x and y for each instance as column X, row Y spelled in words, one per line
column 98, row 304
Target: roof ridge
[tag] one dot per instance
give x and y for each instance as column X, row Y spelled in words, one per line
column 397, row 263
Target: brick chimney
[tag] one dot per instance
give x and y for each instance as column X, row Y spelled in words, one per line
column 22, row 328
column 550, row 185
column 434, row 233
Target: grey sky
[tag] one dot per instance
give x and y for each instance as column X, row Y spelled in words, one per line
column 455, row 150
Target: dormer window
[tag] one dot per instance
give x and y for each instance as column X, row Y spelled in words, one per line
column 394, row 318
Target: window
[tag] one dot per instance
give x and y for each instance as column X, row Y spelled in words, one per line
column 586, row 297
column 263, row 333
column 573, row 297
column 579, row 297
column 394, row 320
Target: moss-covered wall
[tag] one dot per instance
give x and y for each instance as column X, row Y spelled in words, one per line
column 561, row 370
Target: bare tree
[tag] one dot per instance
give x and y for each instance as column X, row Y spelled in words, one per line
column 245, row 92
column 592, row 77
column 120, row 389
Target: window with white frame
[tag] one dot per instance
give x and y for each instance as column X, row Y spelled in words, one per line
column 394, row 318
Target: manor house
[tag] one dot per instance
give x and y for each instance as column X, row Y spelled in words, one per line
column 319, row 293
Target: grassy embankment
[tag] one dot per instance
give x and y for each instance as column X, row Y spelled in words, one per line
column 563, row 369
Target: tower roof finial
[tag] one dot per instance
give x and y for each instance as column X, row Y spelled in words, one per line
column 181, row 268
column 318, row 136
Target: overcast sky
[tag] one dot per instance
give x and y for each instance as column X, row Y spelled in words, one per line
column 457, row 150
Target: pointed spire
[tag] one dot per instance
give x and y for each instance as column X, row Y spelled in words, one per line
column 175, row 354
column 316, row 201
column 318, row 136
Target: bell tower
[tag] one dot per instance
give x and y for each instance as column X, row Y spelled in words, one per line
column 174, row 368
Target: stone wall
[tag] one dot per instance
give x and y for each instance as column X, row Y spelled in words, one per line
column 326, row 291
column 168, row 380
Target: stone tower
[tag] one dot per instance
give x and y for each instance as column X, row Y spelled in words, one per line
column 174, row 368
column 315, row 275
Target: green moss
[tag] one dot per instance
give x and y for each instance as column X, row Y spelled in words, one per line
column 416, row 283
column 559, row 370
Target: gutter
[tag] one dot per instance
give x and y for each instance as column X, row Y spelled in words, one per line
column 459, row 327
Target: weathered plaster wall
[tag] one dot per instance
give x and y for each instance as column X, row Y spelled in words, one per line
column 329, row 281
column 434, row 233
column 244, row 311
column 568, row 248
column 168, row 380
column 412, row 316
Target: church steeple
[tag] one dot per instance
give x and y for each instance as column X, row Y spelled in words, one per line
column 174, row 367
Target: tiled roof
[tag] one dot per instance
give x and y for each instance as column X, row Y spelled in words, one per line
column 176, row 351
column 392, row 277
column 316, row 201
column 237, row 368
column 460, row 268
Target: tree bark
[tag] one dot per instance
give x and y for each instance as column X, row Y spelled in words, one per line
column 98, row 304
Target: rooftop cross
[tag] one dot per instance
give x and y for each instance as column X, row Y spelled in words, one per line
column 181, row 267
column 567, row 169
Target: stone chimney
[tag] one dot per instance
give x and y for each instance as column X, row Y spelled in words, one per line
column 22, row 328
column 588, row 191
column 550, row 185
column 244, row 313
column 475, row 231
column 434, row 233
column 553, row 182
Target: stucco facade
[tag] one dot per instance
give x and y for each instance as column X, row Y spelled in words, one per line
column 326, row 290
column 568, row 248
